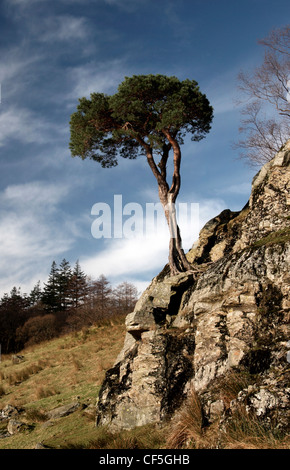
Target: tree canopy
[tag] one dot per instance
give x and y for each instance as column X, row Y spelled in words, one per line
column 138, row 115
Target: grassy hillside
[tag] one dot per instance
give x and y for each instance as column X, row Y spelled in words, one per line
column 61, row 371
column 71, row 369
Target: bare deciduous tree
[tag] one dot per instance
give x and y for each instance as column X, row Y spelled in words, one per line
column 266, row 114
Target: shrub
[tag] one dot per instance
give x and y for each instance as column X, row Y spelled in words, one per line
column 36, row 415
column 2, row 391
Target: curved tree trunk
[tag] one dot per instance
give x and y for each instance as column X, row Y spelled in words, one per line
column 177, row 259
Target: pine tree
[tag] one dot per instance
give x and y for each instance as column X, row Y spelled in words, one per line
column 50, row 296
column 64, row 279
column 13, row 309
column 149, row 116
column 78, row 286
column 35, row 295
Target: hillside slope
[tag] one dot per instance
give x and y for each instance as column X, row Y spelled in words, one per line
column 64, row 372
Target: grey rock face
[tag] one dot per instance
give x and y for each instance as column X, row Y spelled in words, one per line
column 190, row 333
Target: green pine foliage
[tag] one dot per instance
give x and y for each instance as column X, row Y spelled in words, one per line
column 104, row 127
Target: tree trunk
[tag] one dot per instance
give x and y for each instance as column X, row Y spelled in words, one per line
column 177, row 259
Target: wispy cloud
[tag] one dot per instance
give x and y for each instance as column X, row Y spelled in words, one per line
column 63, row 28
column 32, row 231
column 25, row 126
column 240, row 188
column 103, row 78
column 17, row 70
column 128, row 5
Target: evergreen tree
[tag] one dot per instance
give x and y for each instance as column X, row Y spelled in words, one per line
column 35, row 295
column 56, row 291
column 64, row 279
column 78, row 286
column 50, row 296
column 13, row 310
column 149, row 116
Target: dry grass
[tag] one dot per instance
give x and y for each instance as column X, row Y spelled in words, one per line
column 36, row 416
column 187, row 429
column 44, row 392
column 242, row 430
column 245, row 431
column 19, row 376
column 229, row 386
column 54, row 373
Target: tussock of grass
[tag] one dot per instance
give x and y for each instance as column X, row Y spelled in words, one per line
column 242, row 430
column 187, row 430
column 245, row 431
column 44, row 392
column 229, row 386
column 36, row 416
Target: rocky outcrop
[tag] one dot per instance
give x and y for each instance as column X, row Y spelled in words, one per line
column 193, row 332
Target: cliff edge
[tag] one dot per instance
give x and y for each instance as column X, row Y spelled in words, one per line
column 192, row 333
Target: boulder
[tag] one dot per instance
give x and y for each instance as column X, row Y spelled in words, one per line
column 14, row 426
column 9, row 411
column 17, row 358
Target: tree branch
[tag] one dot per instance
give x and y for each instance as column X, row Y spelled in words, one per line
column 175, row 186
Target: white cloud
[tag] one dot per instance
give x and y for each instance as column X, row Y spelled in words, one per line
column 31, row 231
column 102, row 78
column 128, row 5
column 128, row 256
column 12, row 65
column 144, row 254
column 16, row 71
column 64, row 28
column 240, row 188
column 24, row 125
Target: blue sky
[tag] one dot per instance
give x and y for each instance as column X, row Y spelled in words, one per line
column 52, row 53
